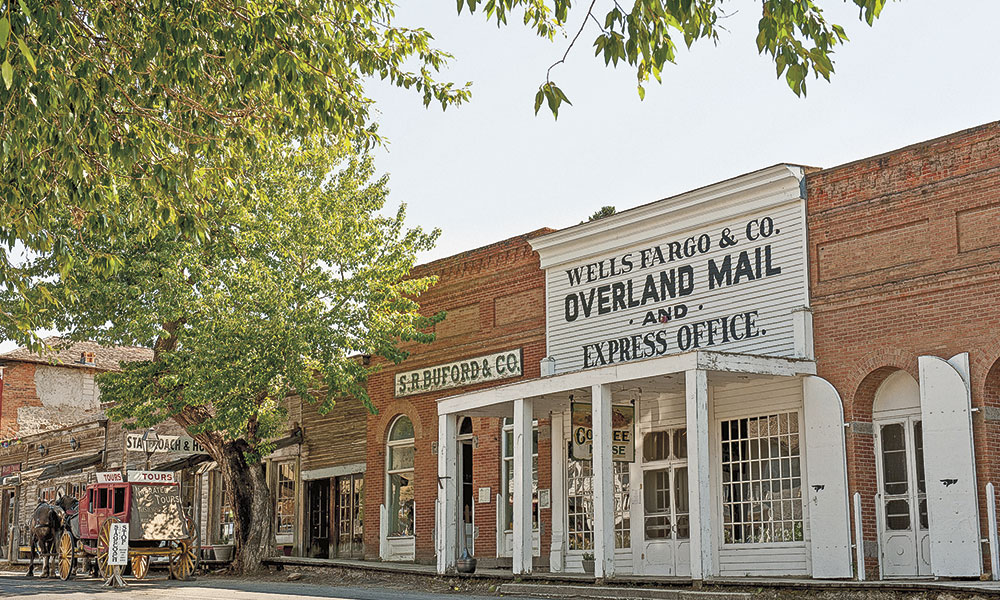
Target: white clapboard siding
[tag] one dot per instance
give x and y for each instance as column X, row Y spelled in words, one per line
column 950, row 467
column 827, row 470
column 774, row 297
column 661, row 410
column 755, row 397
column 623, row 561
column 764, row 561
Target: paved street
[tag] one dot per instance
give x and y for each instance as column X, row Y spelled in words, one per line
column 16, row 585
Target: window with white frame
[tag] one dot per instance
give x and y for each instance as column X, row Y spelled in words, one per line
column 508, row 473
column 580, row 505
column 284, row 509
column 399, row 475
column 225, row 527
column 761, row 479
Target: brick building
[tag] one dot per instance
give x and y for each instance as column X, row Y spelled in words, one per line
column 494, row 301
column 41, row 392
column 905, row 263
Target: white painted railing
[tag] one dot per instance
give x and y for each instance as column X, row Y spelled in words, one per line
column 991, row 514
column 859, row 538
column 383, row 532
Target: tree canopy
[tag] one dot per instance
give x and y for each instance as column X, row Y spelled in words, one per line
column 298, row 273
column 118, row 118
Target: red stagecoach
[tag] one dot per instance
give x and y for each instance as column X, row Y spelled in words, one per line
column 150, row 502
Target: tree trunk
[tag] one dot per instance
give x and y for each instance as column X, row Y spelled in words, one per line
column 251, row 502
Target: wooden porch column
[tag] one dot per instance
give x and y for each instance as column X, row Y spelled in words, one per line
column 522, row 550
column 699, row 485
column 604, row 483
column 447, row 517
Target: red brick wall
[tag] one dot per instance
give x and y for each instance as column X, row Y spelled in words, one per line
column 18, row 392
column 905, row 261
column 496, row 294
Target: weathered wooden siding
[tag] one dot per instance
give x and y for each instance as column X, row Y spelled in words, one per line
column 336, row 438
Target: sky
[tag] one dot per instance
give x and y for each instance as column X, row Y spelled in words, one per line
column 491, row 169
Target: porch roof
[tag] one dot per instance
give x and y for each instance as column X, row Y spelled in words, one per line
column 488, row 400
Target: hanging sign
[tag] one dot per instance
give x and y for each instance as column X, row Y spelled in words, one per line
column 492, row 367
column 622, row 432
column 179, row 444
column 118, row 549
column 110, row 477
column 151, row 477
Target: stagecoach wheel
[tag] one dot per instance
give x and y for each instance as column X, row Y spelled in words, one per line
column 66, row 555
column 104, row 547
column 140, row 566
column 183, row 565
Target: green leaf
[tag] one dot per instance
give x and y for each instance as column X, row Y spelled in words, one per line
column 4, row 30
column 8, row 74
column 27, row 53
column 24, row 9
column 642, row 93
column 539, row 97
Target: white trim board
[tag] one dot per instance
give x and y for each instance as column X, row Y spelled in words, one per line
column 337, row 471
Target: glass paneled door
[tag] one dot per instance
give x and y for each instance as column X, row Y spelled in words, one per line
column 350, row 511
column 665, row 548
column 902, row 499
column 319, row 518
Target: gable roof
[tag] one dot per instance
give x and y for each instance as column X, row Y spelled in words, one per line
column 68, row 354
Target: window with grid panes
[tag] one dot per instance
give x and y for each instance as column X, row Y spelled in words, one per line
column 285, row 506
column 580, row 505
column 226, row 529
column 761, row 479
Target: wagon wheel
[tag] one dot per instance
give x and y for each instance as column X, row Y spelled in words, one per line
column 66, row 555
column 140, row 566
column 104, row 547
column 182, row 565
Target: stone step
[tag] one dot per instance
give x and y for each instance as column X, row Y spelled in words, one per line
column 600, row 592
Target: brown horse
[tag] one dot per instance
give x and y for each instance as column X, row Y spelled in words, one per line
column 46, row 522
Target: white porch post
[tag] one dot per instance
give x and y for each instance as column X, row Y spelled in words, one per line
column 522, row 550
column 604, row 483
column 447, row 524
column 557, row 551
column 699, row 486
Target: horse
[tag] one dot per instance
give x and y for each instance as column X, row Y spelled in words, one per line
column 46, row 522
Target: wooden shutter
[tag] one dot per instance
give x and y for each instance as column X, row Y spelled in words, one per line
column 826, row 469
column 950, row 466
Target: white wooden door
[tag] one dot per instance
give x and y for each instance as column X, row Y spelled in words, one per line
column 903, row 522
column 665, row 547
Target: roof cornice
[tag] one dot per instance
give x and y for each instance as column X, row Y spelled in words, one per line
column 697, row 208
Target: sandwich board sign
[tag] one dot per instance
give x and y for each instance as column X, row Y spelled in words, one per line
column 117, row 553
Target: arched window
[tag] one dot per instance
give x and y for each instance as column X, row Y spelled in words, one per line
column 399, row 476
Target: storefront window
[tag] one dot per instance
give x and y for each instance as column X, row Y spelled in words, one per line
column 761, row 480
column 508, row 473
column 399, row 472
column 580, row 505
column 226, row 528
column 285, row 499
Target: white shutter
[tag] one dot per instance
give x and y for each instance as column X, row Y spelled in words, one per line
column 826, row 469
column 950, row 467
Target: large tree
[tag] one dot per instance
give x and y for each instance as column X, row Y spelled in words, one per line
column 299, row 274
column 109, row 108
